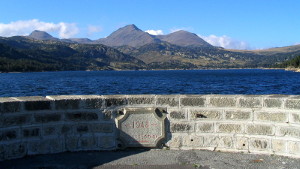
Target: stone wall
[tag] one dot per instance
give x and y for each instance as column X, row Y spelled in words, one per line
column 267, row 124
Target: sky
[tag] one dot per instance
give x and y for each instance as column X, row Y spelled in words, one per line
column 233, row 24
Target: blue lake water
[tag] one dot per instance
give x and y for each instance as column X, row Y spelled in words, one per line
column 243, row 81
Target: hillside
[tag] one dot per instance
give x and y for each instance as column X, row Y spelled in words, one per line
column 24, row 54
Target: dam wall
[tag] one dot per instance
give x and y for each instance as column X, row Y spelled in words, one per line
column 266, row 124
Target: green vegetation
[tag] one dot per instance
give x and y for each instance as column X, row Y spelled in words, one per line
column 293, row 63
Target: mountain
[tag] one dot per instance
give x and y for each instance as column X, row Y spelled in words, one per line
column 81, row 40
column 184, row 38
column 41, row 35
column 129, row 35
column 24, row 54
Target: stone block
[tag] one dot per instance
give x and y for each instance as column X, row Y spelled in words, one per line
column 242, row 143
column 115, row 101
column 87, row 143
column 193, row 141
column 175, row 142
column 223, row 102
column 260, row 129
column 51, row 130
column 47, row 118
column 71, row 143
column 289, row 131
column 205, row 114
column 178, row 114
column 292, row 104
column 294, row 147
column 141, row 100
column 229, row 128
column 279, row 146
column 66, row 129
column 31, row 132
column 192, row 101
column 250, row 102
column 107, row 115
column 259, row 144
column 101, row 128
column 83, row 128
column 170, row 101
column 107, row 143
column 10, row 107
column 67, row 104
column 205, row 127
column 181, row 127
column 13, row 150
column 95, row 103
column 37, row 105
column 15, row 120
column 82, row 116
column 211, row 141
column 7, row 135
column 295, row 118
column 272, row 117
column 273, row 102
column 45, row 146
column 238, row 115
column 225, row 142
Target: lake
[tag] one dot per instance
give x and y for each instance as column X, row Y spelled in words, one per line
column 239, row 81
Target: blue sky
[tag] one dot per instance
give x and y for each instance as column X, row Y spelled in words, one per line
column 251, row 24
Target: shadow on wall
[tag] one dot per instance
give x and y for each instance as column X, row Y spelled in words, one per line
column 72, row 132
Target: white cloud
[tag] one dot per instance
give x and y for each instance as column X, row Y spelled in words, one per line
column 25, row 27
column 225, row 42
column 155, row 32
column 94, row 29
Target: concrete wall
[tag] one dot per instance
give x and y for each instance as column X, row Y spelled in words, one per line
column 257, row 124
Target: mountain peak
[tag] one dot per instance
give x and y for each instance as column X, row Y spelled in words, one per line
column 129, row 35
column 41, row 35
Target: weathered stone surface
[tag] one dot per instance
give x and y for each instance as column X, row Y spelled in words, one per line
column 292, row 104
column 192, row 101
column 10, row 107
column 71, row 143
column 141, row 100
column 223, row 102
column 47, row 118
column 7, row 135
column 289, row 131
column 273, row 117
column 178, row 114
column 66, row 129
column 95, row 103
column 260, row 129
column 15, row 120
column 294, row 147
column 31, row 132
column 295, row 118
column 273, row 102
column 171, row 101
column 242, row 143
column 115, row 101
column 181, row 127
column 37, row 105
column 259, row 144
column 67, row 104
column 211, row 141
column 107, row 143
column 225, row 142
column 205, row 127
column 107, row 115
column 83, row 128
column 175, row 142
column 13, row 150
column 87, row 143
column 237, row 115
column 193, row 141
column 45, row 146
column 205, row 114
column 230, row 128
column 50, row 130
column 250, row 102
column 279, row 146
column 102, row 128
column 141, row 127
column 82, row 116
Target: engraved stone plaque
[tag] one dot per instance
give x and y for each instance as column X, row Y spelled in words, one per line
column 141, row 127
